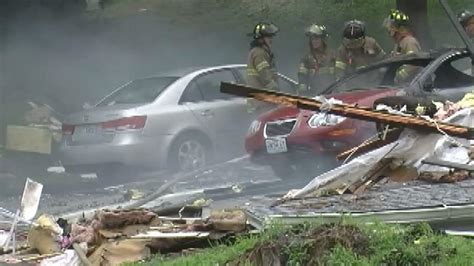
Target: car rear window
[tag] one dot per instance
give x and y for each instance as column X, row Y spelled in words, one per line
column 139, row 91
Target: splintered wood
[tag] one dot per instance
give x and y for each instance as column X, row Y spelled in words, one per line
column 274, row 99
column 357, row 112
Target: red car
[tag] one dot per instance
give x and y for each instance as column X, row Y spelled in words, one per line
column 294, row 141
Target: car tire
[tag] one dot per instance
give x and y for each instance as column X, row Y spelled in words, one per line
column 189, row 153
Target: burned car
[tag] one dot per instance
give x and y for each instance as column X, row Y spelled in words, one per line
column 177, row 121
column 298, row 141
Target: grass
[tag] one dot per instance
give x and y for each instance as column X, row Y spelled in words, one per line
column 377, row 244
column 216, row 255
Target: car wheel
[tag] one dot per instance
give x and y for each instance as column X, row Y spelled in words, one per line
column 188, row 154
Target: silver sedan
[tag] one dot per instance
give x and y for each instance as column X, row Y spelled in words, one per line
column 180, row 121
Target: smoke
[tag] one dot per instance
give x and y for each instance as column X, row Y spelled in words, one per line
column 74, row 59
column 66, row 60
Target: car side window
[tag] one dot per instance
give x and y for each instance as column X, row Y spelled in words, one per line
column 374, row 78
column 285, row 85
column 210, row 84
column 463, row 65
column 192, row 94
column 454, row 74
column 242, row 72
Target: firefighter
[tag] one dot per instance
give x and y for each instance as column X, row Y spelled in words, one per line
column 261, row 67
column 397, row 25
column 357, row 50
column 466, row 18
column 316, row 70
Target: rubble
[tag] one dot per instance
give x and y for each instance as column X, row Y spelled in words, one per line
column 37, row 132
column 409, row 150
column 44, row 236
column 116, row 236
column 399, row 155
column 119, row 252
column 224, row 220
column 452, row 177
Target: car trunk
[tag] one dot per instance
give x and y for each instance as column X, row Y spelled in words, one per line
column 101, row 124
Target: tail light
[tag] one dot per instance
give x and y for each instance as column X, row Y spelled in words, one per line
column 125, row 124
column 67, row 129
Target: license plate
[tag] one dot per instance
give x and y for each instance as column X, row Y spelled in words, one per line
column 84, row 132
column 87, row 130
column 276, row 145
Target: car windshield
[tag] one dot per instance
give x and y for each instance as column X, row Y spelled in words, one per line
column 139, row 91
column 379, row 77
column 370, row 79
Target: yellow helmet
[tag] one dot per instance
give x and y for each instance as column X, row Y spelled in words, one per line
column 396, row 19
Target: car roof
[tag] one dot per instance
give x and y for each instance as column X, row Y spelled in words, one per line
column 182, row 72
column 432, row 54
column 404, row 59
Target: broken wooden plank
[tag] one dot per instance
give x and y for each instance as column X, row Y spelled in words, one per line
column 459, row 166
column 391, row 136
column 158, row 234
column 351, row 111
column 180, row 219
column 371, row 178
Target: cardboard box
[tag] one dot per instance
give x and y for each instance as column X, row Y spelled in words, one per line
column 29, row 139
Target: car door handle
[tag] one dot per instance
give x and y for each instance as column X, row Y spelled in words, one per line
column 207, row 112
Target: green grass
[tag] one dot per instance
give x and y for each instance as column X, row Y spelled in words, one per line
column 387, row 245
column 216, row 255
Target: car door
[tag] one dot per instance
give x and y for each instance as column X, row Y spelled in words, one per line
column 222, row 115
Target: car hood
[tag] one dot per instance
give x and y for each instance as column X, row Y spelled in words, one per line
column 347, row 97
column 102, row 114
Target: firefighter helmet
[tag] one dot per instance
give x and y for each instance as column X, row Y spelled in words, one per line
column 263, row 30
column 354, row 29
column 396, row 19
column 464, row 17
column 317, row 31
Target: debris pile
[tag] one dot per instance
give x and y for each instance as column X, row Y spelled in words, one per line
column 412, row 145
column 113, row 237
column 413, row 156
column 38, row 130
